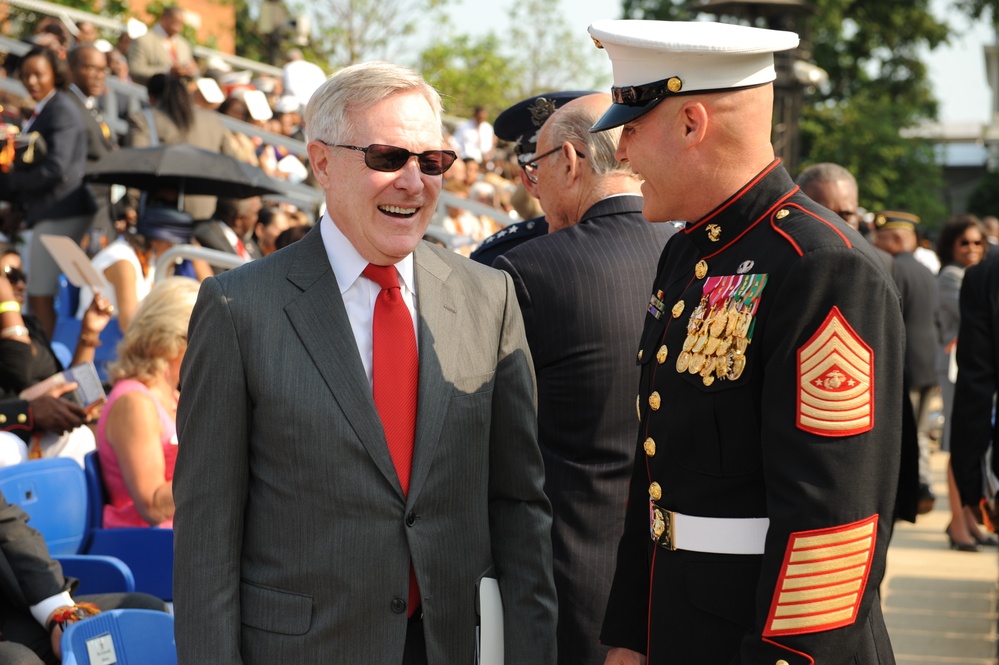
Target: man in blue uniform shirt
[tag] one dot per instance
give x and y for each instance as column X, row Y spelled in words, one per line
column 769, row 401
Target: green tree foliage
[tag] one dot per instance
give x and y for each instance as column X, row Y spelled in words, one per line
column 353, row 31
column 469, row 72
column 877, row 86
column 539, row 53
column 985, row 198
column 551, row 55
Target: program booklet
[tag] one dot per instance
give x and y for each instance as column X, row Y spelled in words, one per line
column 89, row 389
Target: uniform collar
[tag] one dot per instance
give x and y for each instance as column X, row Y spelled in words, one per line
column 729, row 221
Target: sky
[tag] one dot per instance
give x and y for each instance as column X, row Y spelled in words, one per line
column 957, row 71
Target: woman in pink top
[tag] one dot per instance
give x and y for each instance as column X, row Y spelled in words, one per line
column 137, row 433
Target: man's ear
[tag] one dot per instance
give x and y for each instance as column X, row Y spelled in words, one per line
column 571, row 163
column 319, row 158
column 693, row 119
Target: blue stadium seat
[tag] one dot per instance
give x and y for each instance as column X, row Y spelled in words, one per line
column 54, row 495
column 67, row 331
column 122, row 637
column 147, row 551
column 97, row 574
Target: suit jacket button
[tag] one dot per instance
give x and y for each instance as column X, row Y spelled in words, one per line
column 411, row 519
column 398, row 605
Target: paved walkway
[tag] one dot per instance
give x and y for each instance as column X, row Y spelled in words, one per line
column 940, row 604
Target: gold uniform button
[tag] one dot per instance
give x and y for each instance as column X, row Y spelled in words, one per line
column 21, row 418
column 655, row 492
column 781, row 662
column 655, row 400
column 661, row 354
column 3, row 419
column 640, row 352
column 650, row 447
column 781, row 214
column 677, row 310
column 701, row 269
column 674, row 84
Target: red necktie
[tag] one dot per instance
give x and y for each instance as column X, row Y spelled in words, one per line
column 241, row 249
column 395, row 376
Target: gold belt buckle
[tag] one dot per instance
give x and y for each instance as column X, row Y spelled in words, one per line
column 662, row 527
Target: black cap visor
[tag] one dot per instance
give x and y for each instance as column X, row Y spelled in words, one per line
column 621, row 114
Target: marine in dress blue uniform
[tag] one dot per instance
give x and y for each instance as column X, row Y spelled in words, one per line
column 761, row 502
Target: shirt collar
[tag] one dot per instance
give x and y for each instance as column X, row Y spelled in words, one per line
column 39, row 105
column 348, row 264
column 87, row 101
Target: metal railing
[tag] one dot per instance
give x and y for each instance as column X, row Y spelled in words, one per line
column 213, row 257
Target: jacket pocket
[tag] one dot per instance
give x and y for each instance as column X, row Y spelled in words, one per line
column 274, row 610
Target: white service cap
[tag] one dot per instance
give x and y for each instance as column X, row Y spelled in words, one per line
column 653, row 60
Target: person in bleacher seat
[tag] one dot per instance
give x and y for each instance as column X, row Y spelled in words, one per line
column 128, row 264
column 137, row 433
column 36, row 600
column 27, row 357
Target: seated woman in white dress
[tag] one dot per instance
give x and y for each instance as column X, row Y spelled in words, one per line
column 128, row 264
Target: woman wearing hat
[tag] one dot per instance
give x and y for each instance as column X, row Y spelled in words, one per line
column 128, row 264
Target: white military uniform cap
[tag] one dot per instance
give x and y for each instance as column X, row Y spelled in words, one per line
column 653, row 60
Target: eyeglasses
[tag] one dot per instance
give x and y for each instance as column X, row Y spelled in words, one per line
column 964, row 242
column 531, row 167
column 389, row 158
column 14, row 275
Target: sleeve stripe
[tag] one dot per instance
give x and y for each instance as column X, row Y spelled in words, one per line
column 822, row 579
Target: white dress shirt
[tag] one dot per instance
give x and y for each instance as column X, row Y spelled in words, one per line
column 358, row 292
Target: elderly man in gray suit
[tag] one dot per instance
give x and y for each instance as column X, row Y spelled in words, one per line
column 346, row 478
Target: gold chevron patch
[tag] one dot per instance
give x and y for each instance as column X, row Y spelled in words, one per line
column 823, row 578
column 835, row 380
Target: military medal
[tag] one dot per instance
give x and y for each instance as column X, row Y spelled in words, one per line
column 720, row 328
column 683, row 361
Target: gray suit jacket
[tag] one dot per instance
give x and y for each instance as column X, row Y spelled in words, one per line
column 293, row 537
column 148, row 55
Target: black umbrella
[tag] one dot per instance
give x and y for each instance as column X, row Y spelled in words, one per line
column 185, row 168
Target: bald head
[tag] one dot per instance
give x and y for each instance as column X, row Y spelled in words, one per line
column 696, row 151
column 832, row 186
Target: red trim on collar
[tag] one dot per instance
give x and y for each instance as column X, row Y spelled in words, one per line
column 749, row 228
column 735, row 197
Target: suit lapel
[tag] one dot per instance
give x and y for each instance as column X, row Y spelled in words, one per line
column 320, row 319
column 438, row 315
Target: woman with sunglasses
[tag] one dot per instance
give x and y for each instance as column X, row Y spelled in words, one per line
column 27, row 357
column 961, row 245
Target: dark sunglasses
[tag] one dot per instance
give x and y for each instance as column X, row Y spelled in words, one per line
column 964, row 242
column 14, row 275
column 389, row 158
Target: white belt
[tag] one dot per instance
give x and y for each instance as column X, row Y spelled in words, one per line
column 717, row 535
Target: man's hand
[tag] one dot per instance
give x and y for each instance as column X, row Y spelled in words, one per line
column 53, row 414
column 619, row 656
